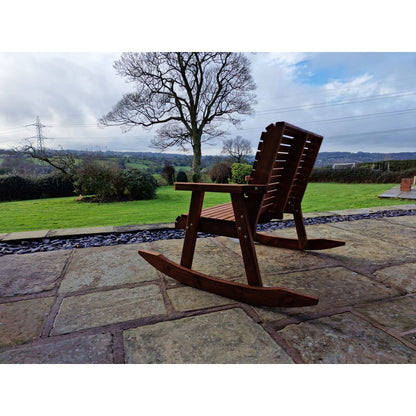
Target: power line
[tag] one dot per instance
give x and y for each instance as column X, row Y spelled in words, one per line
column 369, row 133
column 12, row 128
column 279, row 109
column 339, row 102
column 347, row 118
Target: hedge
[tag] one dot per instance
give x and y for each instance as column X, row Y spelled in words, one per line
column 15, row 187
column 360, row 175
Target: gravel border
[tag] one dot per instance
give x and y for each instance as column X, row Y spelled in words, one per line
column 102, row 240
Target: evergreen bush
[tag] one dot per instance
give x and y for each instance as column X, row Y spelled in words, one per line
column 181, row 177
column 138, row 184
column 239, row 171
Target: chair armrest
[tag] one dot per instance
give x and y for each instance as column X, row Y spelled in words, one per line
column 220, row 187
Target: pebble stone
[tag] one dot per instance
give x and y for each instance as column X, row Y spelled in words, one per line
column 101, row 240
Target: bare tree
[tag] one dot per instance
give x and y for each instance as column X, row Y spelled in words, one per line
column 61, row 160
column 238, row 149
column 188, row 93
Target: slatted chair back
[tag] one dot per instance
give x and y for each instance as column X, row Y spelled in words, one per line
column 284, row 161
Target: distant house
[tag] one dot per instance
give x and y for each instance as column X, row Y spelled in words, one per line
column 343, row 166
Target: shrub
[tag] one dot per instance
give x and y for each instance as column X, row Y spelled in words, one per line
column 221, row 172
column 110, row 183
column 161, row 181
column 239, row 171
column 138, row 184
column 181, row 177
column 100, row 180
column 168, row 173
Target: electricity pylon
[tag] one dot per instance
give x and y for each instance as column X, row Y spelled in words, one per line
column 39, row 134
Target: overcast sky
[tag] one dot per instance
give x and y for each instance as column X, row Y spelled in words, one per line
column 363, row 101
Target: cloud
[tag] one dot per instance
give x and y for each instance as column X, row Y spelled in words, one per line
column 347, row 97
column 354, row 99
column 68, row 91
column 66, row 87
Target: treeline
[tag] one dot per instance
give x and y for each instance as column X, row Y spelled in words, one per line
column 329, row 158
column 390, row 165
column 386, row 171
column 360, row 175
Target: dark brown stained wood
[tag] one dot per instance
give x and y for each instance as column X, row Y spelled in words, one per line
column 293, row 243
column 266, row 156
column 300, row 229
column 245, row 235
column 253, row 295
column 292, row 163
column 281, row 171
column 224, row 211
column 191, row 229
column 220, row 187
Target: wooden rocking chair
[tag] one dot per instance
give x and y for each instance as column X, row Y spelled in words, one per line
column 283, row 164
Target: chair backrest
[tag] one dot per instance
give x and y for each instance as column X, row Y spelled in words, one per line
column 284, row 161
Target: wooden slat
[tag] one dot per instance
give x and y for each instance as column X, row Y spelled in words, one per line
column 265, row 159
column 217, row 187
column 291, row 166
column 286, row 141
column 217, row 208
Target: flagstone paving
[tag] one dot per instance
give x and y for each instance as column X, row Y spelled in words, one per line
column 107, row 305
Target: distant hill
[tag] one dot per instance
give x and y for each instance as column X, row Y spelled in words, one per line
column 324, row 158
column 157, row 160
column 329, row 158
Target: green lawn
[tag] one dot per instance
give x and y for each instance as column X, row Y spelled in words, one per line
column 42, row 214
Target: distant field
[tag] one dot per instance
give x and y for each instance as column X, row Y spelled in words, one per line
column 58, row 213
column 140, row 164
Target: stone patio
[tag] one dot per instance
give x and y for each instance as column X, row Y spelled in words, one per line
column 395, row 192
column 107, row 305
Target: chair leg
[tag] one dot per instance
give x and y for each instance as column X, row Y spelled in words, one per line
column 191, row 230
column 300, row 243
column 245, row 235
column 300, row 229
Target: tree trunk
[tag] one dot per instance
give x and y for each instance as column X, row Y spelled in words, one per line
column 196, row 163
